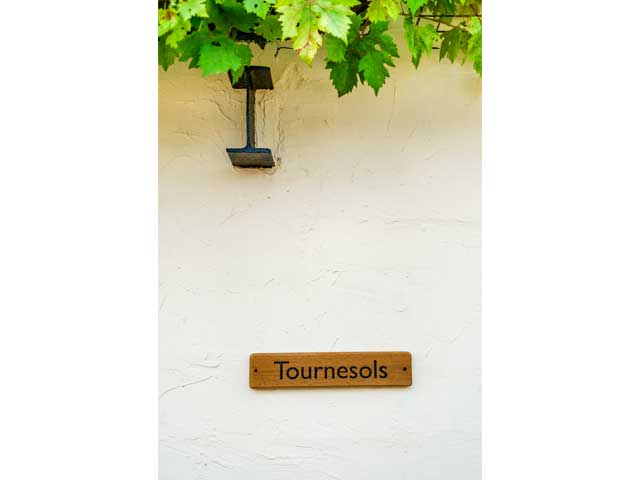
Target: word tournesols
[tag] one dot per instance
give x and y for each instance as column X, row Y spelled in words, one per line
column 326, row 372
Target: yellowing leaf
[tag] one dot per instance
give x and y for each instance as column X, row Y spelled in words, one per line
column 179, row 32
column 334, row 16
column 167, row 20
column 303, row 20
column 291, row 13
column 192, row 8
column 213, row 35
column 379, row 10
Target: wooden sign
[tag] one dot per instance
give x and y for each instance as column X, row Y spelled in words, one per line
column 330, row 369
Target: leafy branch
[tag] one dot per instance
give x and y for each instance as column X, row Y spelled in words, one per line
column 212, row 35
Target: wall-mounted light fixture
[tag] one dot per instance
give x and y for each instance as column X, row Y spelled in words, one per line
column 253, row 78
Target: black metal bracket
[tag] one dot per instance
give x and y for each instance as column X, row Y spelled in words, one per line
column 253, row 78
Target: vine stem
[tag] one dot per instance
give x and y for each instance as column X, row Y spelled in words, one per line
column 366, row 23
column 438, row 19
column 433, row 19
column 476, row 13
column 281, row 48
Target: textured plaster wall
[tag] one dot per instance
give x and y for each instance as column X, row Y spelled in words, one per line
column 366, row 237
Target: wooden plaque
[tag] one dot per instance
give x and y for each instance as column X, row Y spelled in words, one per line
column 330, row 369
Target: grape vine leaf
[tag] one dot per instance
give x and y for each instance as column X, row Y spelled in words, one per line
column 344, row 76
column 192, row 8
column 450, row 44
column 226, row 56
column 474, row 46
column 212, row 34
column 259, row 7
column 192, row 44
column 270, row 28
column 379, row 10
column 442, row 7
column 372, row 66
column 415, row 5
column 335, row 16
column 366, row 58
column 344, row 73
column 420, row 39
column 336, row 49
column 167, row 20
column 308, row 40
column 178, row 33
column 166, row 54
column 228, row 15
column 303, row 20
column 378, row 36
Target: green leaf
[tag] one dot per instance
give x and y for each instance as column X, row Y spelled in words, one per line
column 245, row 55
column 379, row 10
column 442, row 7
column 373, row 68
column 415, row 5
column 474, row 46
column 354, row 29
column 344, row 75
column 303, row 20
column 336, row 49
column 192, row 8
column 378, row 36
column 224, row 57
column 450, row 44
column 475, row 27
column 190, row 47
column 420, row 39
column 166, row 54
column 270, row 28
column 259, row 7
column 210, row 34
column 229, row 14
column 365, row 58
column 178, row 33
column 167, row 20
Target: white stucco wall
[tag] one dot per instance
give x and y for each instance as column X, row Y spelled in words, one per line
column 366, row 237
